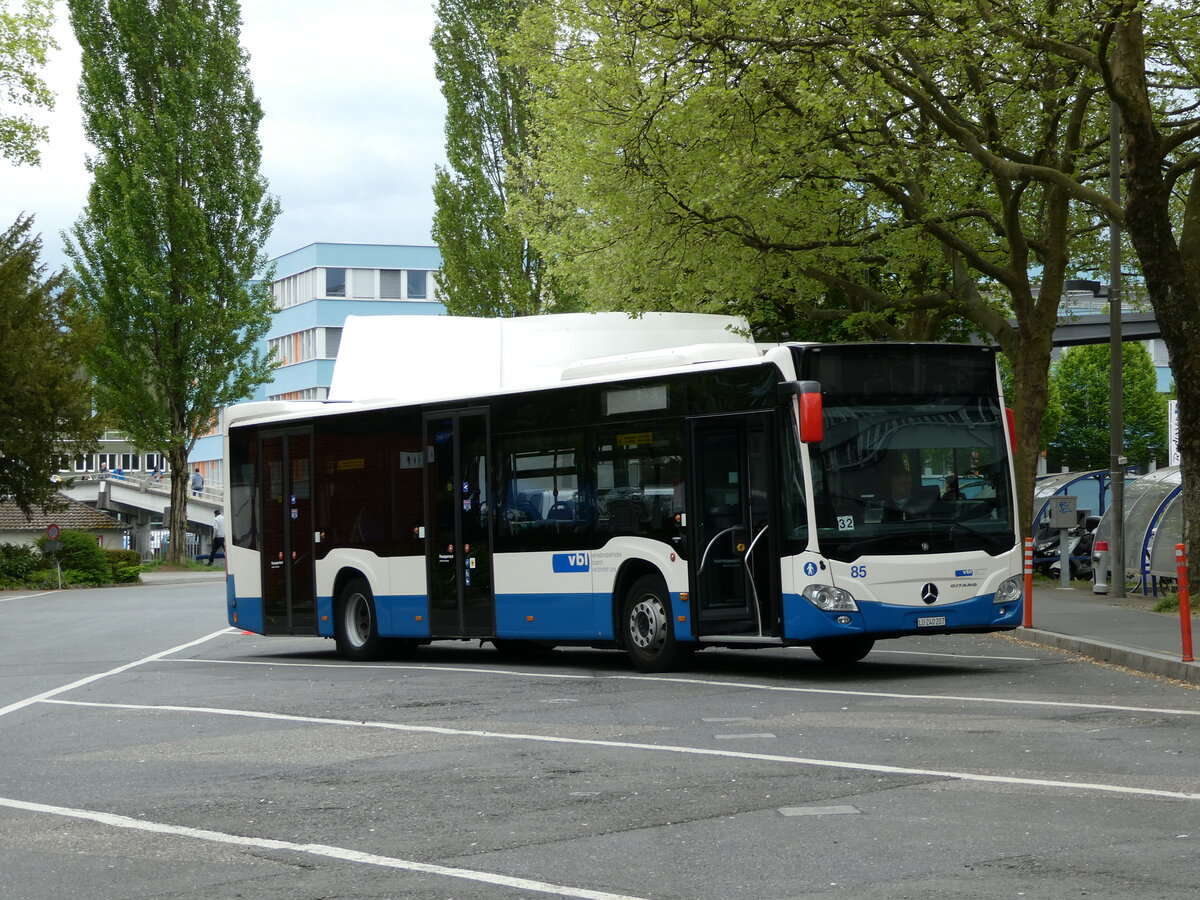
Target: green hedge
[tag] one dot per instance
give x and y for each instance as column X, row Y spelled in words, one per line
column 83, row 562
column 125, row 565
column 18, row 565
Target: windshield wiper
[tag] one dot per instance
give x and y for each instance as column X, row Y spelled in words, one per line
column 990, row 539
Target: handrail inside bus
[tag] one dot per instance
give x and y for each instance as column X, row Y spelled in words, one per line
column 704, row 556
column 750, row 573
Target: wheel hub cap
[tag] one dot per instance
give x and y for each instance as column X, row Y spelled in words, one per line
column 648, row 624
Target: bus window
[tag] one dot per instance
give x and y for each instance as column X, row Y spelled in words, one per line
column 540, row 498
column 639, row 479
column 243, row 462
column 795, row 507
column 351, row 507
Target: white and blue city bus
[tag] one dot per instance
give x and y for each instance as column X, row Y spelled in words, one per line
column 659, row 504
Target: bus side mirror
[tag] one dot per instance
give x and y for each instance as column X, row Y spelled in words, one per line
column 811, row 415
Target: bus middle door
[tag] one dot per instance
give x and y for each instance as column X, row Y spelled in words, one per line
column 458, row 535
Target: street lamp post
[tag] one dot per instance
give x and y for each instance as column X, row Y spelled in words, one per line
column 1116, row 432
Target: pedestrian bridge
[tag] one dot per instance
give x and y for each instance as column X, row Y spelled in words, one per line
column 141, row 502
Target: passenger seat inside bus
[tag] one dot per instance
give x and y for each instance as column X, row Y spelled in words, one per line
column 527, row 508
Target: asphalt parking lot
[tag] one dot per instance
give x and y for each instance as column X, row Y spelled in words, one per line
column 150, row 751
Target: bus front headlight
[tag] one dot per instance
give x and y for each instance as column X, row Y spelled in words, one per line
column 830, row 598
column 1009, row 590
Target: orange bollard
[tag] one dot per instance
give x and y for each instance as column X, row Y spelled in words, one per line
column 1185, row 604
column 1028, row 582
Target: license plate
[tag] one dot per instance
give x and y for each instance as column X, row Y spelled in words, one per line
column 930, row 621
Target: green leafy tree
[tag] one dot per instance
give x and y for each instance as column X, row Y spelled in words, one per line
column 24, row 41
column 45, row 396
column 489, row 267
column 886, row 165
column 168, row 249
column 1080, row 380
column 1145, row 57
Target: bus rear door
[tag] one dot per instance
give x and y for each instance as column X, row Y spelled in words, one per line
column 288, row 578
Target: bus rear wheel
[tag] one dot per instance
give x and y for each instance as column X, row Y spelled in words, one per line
column 842, row 651
column 647, row 630
column 356, row 628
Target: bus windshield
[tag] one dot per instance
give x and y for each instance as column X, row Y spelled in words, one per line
column 905, row 475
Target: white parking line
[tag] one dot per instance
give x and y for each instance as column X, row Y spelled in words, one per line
column 46, row 695
column 877, row 651
column 705, row 682
column 27, row 596
column 339, row 853
column 655, row 748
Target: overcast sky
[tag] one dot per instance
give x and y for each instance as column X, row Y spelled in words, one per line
column 351, row 133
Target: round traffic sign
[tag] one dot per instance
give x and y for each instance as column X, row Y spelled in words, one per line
column 52, row 532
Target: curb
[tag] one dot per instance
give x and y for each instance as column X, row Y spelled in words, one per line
column 1139, row 660
column 192, row 577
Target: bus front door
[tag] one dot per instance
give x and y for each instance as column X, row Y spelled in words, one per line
column 458, row 539
column 288, row 577
column 734, row 578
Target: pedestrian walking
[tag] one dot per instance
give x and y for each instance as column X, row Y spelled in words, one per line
column 218, row 542
column 197, row 483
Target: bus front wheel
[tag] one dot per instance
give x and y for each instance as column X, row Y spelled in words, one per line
column 648, row 632
column 356, row 628
column 842, row 651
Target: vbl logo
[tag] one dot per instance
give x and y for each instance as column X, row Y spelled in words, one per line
column 572, row 562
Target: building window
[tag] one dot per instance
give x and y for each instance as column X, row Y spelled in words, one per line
column 131, row 462
column 335, row 282
column 301, row 346
column 362, row 283
column 416, row 285
column 333, row 342
column 294, row 289
column 390, row 284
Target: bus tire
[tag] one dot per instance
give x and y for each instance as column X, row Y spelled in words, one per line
column 646, row 627
column 356, row 628
column 842, row 651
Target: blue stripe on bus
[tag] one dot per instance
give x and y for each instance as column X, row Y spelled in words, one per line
column 403, row 615
column 249, row 610
column 565, row 616
column 325, row 616
column 803, row 621
column 560, row 616
column 683, row 630
column 398, row 616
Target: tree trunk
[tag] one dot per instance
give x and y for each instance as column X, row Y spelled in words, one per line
column 177, row 552
column 1030, row 359
column 1172, row 279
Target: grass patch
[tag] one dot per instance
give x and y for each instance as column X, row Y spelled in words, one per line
column 190, row 565
column 1170, row 603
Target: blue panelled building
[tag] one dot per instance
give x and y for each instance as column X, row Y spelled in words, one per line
column 316, row 287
